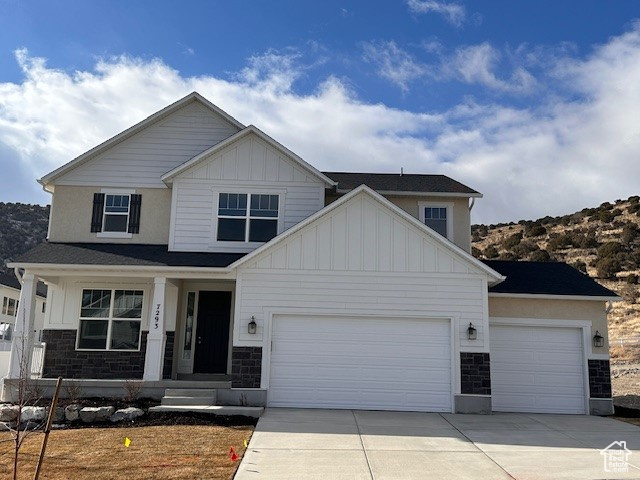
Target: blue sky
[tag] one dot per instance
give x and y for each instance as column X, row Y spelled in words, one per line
column 533, row 103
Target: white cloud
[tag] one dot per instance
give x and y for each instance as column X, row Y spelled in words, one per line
column 454, row 13
column 563, row 155
column 394, row 63
column 476, row 64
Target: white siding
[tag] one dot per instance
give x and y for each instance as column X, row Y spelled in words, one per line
column 249, row 165
column 141, row 160
column 362, row 258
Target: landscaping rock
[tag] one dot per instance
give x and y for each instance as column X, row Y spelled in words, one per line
column 58, row 416
column 8, row 413
column 96, row 414
column 128, row 414
column 72, row 412
column 33, row 414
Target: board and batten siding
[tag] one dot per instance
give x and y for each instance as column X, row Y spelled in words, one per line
column 249, row 165
column 142, row 159
column 361, row 259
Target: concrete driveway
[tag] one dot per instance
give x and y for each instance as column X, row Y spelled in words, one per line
column 335, row 444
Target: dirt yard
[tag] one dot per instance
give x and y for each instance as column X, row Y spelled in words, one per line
column 158, row 452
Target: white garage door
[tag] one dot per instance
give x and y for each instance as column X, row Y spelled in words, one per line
column 366, row 363
column 537, row 369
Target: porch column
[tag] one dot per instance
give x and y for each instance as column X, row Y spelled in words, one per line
column 154, row 357
column 22, row 343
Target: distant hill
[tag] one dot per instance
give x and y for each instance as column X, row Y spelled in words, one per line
column 21, row 227
column 603, row 242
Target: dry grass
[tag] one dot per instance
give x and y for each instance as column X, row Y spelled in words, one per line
column 161, row 452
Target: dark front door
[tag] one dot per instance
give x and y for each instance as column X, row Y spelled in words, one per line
column 212, row 332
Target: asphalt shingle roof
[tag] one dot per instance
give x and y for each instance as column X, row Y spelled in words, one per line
column 545, row 278
column 122, row 254
column 394, row 182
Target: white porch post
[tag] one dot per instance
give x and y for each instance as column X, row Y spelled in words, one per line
column 154, row 357
column 22, row 343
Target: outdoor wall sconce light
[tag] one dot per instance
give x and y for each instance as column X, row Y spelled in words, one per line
column 472, row 333
column 598, row 340
column 253, row 325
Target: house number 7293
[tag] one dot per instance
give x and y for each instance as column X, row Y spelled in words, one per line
column 157, row 317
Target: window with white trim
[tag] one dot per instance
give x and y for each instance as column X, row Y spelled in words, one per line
column 110, row 320
column 10, row 306
column 116, row 213
column 438, row 217
column 244, row 217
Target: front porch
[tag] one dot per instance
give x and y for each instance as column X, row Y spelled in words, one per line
column 156, row 390
column 107, row 327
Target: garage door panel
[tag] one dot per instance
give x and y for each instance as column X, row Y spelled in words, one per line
column 332, row 362
column 537, row 369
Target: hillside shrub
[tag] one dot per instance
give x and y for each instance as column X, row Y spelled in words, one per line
column 608, row 267
column 632, row 279
column 512, row 240
column 580, row 265
column 540, row 256
column 609, row 249
column 630, row 232
column 535, row 231
column 490, row 252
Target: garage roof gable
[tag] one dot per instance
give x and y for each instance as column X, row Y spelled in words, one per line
column 363, row 231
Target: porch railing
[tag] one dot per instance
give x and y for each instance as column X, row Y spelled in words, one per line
column 37, row 359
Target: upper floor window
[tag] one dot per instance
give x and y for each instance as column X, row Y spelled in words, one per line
column 244, row 217
column 116, row 213
column 438, row 217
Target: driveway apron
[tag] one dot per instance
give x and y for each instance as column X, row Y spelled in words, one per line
column 352, row 444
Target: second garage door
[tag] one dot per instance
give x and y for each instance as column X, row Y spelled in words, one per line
column 366, row 363
column 537, row 369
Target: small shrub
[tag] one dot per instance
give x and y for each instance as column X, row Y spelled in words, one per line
column 535, row 231
column 476, row 252
column 609, row 249
column 632, row 279
column 132, row 389
column 73, row 391
column 512, row 240
column 629, row 233
column 580, row 265
column 490, row 252
column 608, row 267
column 540, row 256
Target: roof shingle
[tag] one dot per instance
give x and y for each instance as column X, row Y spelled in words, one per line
column 407, row 182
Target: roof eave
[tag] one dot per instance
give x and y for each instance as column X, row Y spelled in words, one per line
column 549, row 296
column 404, row 193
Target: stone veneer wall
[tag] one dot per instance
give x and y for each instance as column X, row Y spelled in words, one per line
column 599, row 379
column 63, row 360
column 167, row 367
column 246, row 367
column 475, row 373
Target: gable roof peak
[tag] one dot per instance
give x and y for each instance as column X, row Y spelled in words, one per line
column 138, row 127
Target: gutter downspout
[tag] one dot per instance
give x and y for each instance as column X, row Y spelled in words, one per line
column 16, row 272
column 473, row 202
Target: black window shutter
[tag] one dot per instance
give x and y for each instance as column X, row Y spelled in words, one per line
column 98, row 209
column 134, row 213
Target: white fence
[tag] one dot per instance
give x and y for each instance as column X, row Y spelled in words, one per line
column 37, row 360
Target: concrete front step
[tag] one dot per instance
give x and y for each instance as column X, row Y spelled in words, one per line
column 190, row 392
column 186, row 401
column 254, row 412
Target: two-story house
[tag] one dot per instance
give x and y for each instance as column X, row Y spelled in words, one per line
column 191, row 249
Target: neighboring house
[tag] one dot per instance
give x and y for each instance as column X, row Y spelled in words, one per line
column 192, row 248
column 10, row 303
